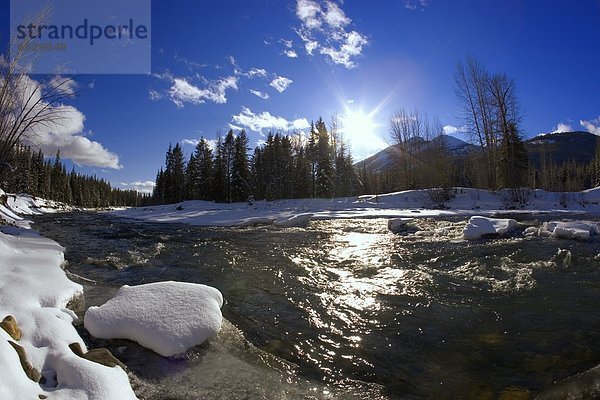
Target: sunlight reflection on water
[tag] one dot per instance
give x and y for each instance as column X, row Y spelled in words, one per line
column 421, row 313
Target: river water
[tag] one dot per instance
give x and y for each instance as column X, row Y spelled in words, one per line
column 346, row 309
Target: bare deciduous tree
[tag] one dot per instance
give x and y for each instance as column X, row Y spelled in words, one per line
column 490, row 110
column 26, row 105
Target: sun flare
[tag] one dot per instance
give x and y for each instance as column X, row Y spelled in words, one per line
column 358, row 126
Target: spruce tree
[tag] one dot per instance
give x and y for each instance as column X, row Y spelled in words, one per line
column 324, row 175
column 240, row 180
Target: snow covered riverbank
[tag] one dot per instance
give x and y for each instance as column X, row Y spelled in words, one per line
column 412, row 204
column 36, row 356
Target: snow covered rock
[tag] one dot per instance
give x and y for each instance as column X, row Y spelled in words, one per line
column 477, row 227
column 580, row 230
column 298, row 221
column 167, row 317
column 399, row 224
column 35, row 291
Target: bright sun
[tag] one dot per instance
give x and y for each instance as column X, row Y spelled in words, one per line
column 358, row 126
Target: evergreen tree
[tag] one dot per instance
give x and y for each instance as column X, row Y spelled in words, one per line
column 204, row 159
column 240, row 179
column 175, row 175
column 228, row 158
column 219, row 180
column 512, row 163
column 324, row 175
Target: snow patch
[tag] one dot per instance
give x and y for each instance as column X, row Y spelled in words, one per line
column 167, row 317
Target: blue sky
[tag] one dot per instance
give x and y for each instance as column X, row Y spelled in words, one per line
column 278, row 64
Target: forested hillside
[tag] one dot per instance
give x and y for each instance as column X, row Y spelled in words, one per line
column 31, row 172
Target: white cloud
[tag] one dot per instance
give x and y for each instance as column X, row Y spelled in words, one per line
column 260, row 94
column 182, row 91
column 281, row 83
column 323, row 28
column 235, row 127
column 335, row 17
column 563, row 128
column 592, row 126
column 308, row 11
column 67, row 134
column 452, row 130
column 289, row 50
column 264, row 120
column 143, row 187
column 449, row 129
column 352, row 46
column 256, row 72
column 212, row 143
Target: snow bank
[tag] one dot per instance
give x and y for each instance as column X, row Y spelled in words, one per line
column 35, row 291
column 580, row 230
column 167, row 317
column 13, row 206
column 477, row 227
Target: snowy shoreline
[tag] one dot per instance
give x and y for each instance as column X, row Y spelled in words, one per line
column 407, row 204
column 37, row 293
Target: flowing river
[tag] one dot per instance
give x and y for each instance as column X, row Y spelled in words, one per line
column 346, row 309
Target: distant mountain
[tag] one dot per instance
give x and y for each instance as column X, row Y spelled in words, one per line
column 561, row 147
column 385, row 159
column 554, row 147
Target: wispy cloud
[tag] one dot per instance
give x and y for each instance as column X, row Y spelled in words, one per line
column 289, row 48
column 154, row 95
column 281, row 83
column 264, row 120
column 193, row 142
column 182, row 91
column 324, row 28
column 143, row 187
column 416, row 4
column 592, row 126
column 259, row 94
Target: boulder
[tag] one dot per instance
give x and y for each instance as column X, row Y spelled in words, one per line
column 30, row 371
column 9, row 324
column 101, row 356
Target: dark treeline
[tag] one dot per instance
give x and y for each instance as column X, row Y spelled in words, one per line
column 34, row 174
column 284, row 167
column 465, row 170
